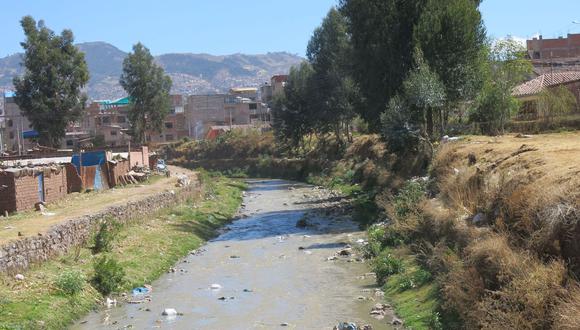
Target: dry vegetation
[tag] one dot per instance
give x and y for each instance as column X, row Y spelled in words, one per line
column 508, row 209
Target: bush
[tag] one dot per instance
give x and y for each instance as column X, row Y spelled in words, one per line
column 70, row 282
column 108, row 275
column 103, row 240
column 408, row 198
column 386, row 265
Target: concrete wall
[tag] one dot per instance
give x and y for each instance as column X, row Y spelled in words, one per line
column 20, row 254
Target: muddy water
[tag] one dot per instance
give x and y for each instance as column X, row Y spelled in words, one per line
column 267, row 280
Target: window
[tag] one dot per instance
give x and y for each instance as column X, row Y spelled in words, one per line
column 178, row 110
column 168, row 137
column 10, row 123
column 121, row 120
column 69, row 143
column 113, row 133
column 169, row 125
column 11, row 135
column 253, row 106
column 106, row 120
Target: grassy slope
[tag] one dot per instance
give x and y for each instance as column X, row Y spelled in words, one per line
column 145, row 250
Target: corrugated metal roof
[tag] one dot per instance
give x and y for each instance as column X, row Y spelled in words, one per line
column 537, row 85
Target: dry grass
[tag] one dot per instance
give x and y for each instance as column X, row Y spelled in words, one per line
column 528, row 188
column 567, row 314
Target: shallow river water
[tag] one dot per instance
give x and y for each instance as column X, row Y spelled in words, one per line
column 272, row 274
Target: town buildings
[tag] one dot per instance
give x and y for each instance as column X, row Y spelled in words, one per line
column 15, row 132
column 106, row 122
column 273, row 88
column 554, row 55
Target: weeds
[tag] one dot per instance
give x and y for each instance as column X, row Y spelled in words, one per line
column 109, row 275
column 105, row 236
column 70, row 282
column 386, row 265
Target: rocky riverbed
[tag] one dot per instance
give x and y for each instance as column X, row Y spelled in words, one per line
column 291, row 260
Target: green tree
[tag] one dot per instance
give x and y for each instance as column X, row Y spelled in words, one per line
column 148, row 87
column 452, row 36
column 292, row 112
column 49, row 92
column 506, row 67
column 408, row 121
column 382, row 40
column 555, row 102
column 329, row 54
column 425, row 93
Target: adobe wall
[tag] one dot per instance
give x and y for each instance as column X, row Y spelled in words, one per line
column 20, row 254
column 7, row 194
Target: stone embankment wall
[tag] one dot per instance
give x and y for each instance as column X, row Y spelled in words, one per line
column 20, row 254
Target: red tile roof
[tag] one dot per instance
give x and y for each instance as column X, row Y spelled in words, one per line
column 280, row 78
column 535, row 86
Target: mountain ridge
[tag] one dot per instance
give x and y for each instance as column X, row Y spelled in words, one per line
column 192, row 73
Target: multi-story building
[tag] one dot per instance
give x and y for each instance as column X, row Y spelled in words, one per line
column 109, row 121
column 540, row 48
column 175, row 125
column 273, row 88
column 16, row 135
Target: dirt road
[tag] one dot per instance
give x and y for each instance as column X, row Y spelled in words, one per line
column 78, row 204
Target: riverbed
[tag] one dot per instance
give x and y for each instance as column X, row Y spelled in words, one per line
column 263, row 272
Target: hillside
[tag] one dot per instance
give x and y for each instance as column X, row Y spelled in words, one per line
column 191, row 73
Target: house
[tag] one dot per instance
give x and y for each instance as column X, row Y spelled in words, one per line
column 16, row 136
column 540, row 48
column 529, row 92
column 273, row 88
column 22, row 188
column 175, row 124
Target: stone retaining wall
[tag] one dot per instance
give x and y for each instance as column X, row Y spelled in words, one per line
column 20, row 254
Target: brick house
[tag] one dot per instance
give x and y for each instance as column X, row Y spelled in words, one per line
column 529, row 92
column 22, row 188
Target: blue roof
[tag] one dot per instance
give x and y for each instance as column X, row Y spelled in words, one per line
column 9, row 94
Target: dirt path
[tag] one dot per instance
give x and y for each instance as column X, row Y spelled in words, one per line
column 78, row 204
column 266, row 273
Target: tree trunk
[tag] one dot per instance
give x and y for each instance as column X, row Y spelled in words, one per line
column 429, row 122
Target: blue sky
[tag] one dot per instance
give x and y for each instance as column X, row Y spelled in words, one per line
column 231, row 26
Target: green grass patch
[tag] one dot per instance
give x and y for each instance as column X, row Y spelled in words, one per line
column 145, row 250
column 413, row 293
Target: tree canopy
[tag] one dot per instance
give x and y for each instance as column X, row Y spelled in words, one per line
column 148, row 88
column 329, row 53
column 49, row 92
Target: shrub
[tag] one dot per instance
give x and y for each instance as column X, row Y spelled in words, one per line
column 406, row 282
column 108, row 275
column 70, row 282
column 422, row 277
column 408, row 198
column 386, row 265
column 103, row 239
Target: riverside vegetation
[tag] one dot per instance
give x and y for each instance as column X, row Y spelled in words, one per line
column 486, row 236
column 119, row 258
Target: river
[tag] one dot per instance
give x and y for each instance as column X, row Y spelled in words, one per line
column 272, row 274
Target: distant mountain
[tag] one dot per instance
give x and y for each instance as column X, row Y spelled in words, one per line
column 191, row 73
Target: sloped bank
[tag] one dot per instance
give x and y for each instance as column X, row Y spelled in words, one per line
column 19, row 254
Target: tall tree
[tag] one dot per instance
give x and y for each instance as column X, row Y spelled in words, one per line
column 292, row 112
column 49, row 92
column 382, row 39
column 452, row 37
column 148, row 87
column 329, row 53
column 505, row 68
